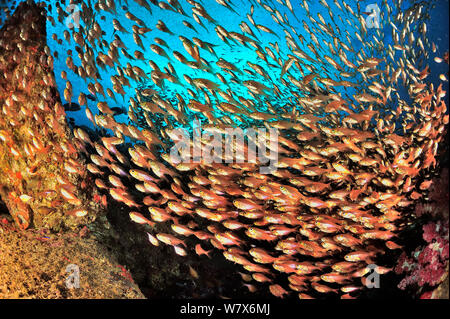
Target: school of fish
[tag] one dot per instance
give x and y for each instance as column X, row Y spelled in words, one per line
column 358, row 132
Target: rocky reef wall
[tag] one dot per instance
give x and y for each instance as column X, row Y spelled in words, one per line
column 43, row 179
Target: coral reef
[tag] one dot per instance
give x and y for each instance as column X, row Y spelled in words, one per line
column 428, row 265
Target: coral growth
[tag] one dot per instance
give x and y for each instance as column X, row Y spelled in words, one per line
column 427, row 265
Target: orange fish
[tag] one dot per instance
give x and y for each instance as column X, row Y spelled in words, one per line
column 278, row 291
column 200, row 251
column 138, row 218
column 169, row 239
column 261, row 256
column 359, row 255
column 261, row 277
column 322, row 288
column 334, row 277
column 78, row 212
column 261, row 234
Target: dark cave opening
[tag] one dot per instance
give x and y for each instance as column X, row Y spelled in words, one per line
column 3, row 209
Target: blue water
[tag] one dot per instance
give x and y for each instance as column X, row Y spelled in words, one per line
column 437, row 24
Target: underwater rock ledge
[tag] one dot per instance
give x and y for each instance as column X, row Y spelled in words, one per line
column 34, row 265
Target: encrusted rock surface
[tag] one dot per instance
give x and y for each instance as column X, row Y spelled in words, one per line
column 34, row 264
